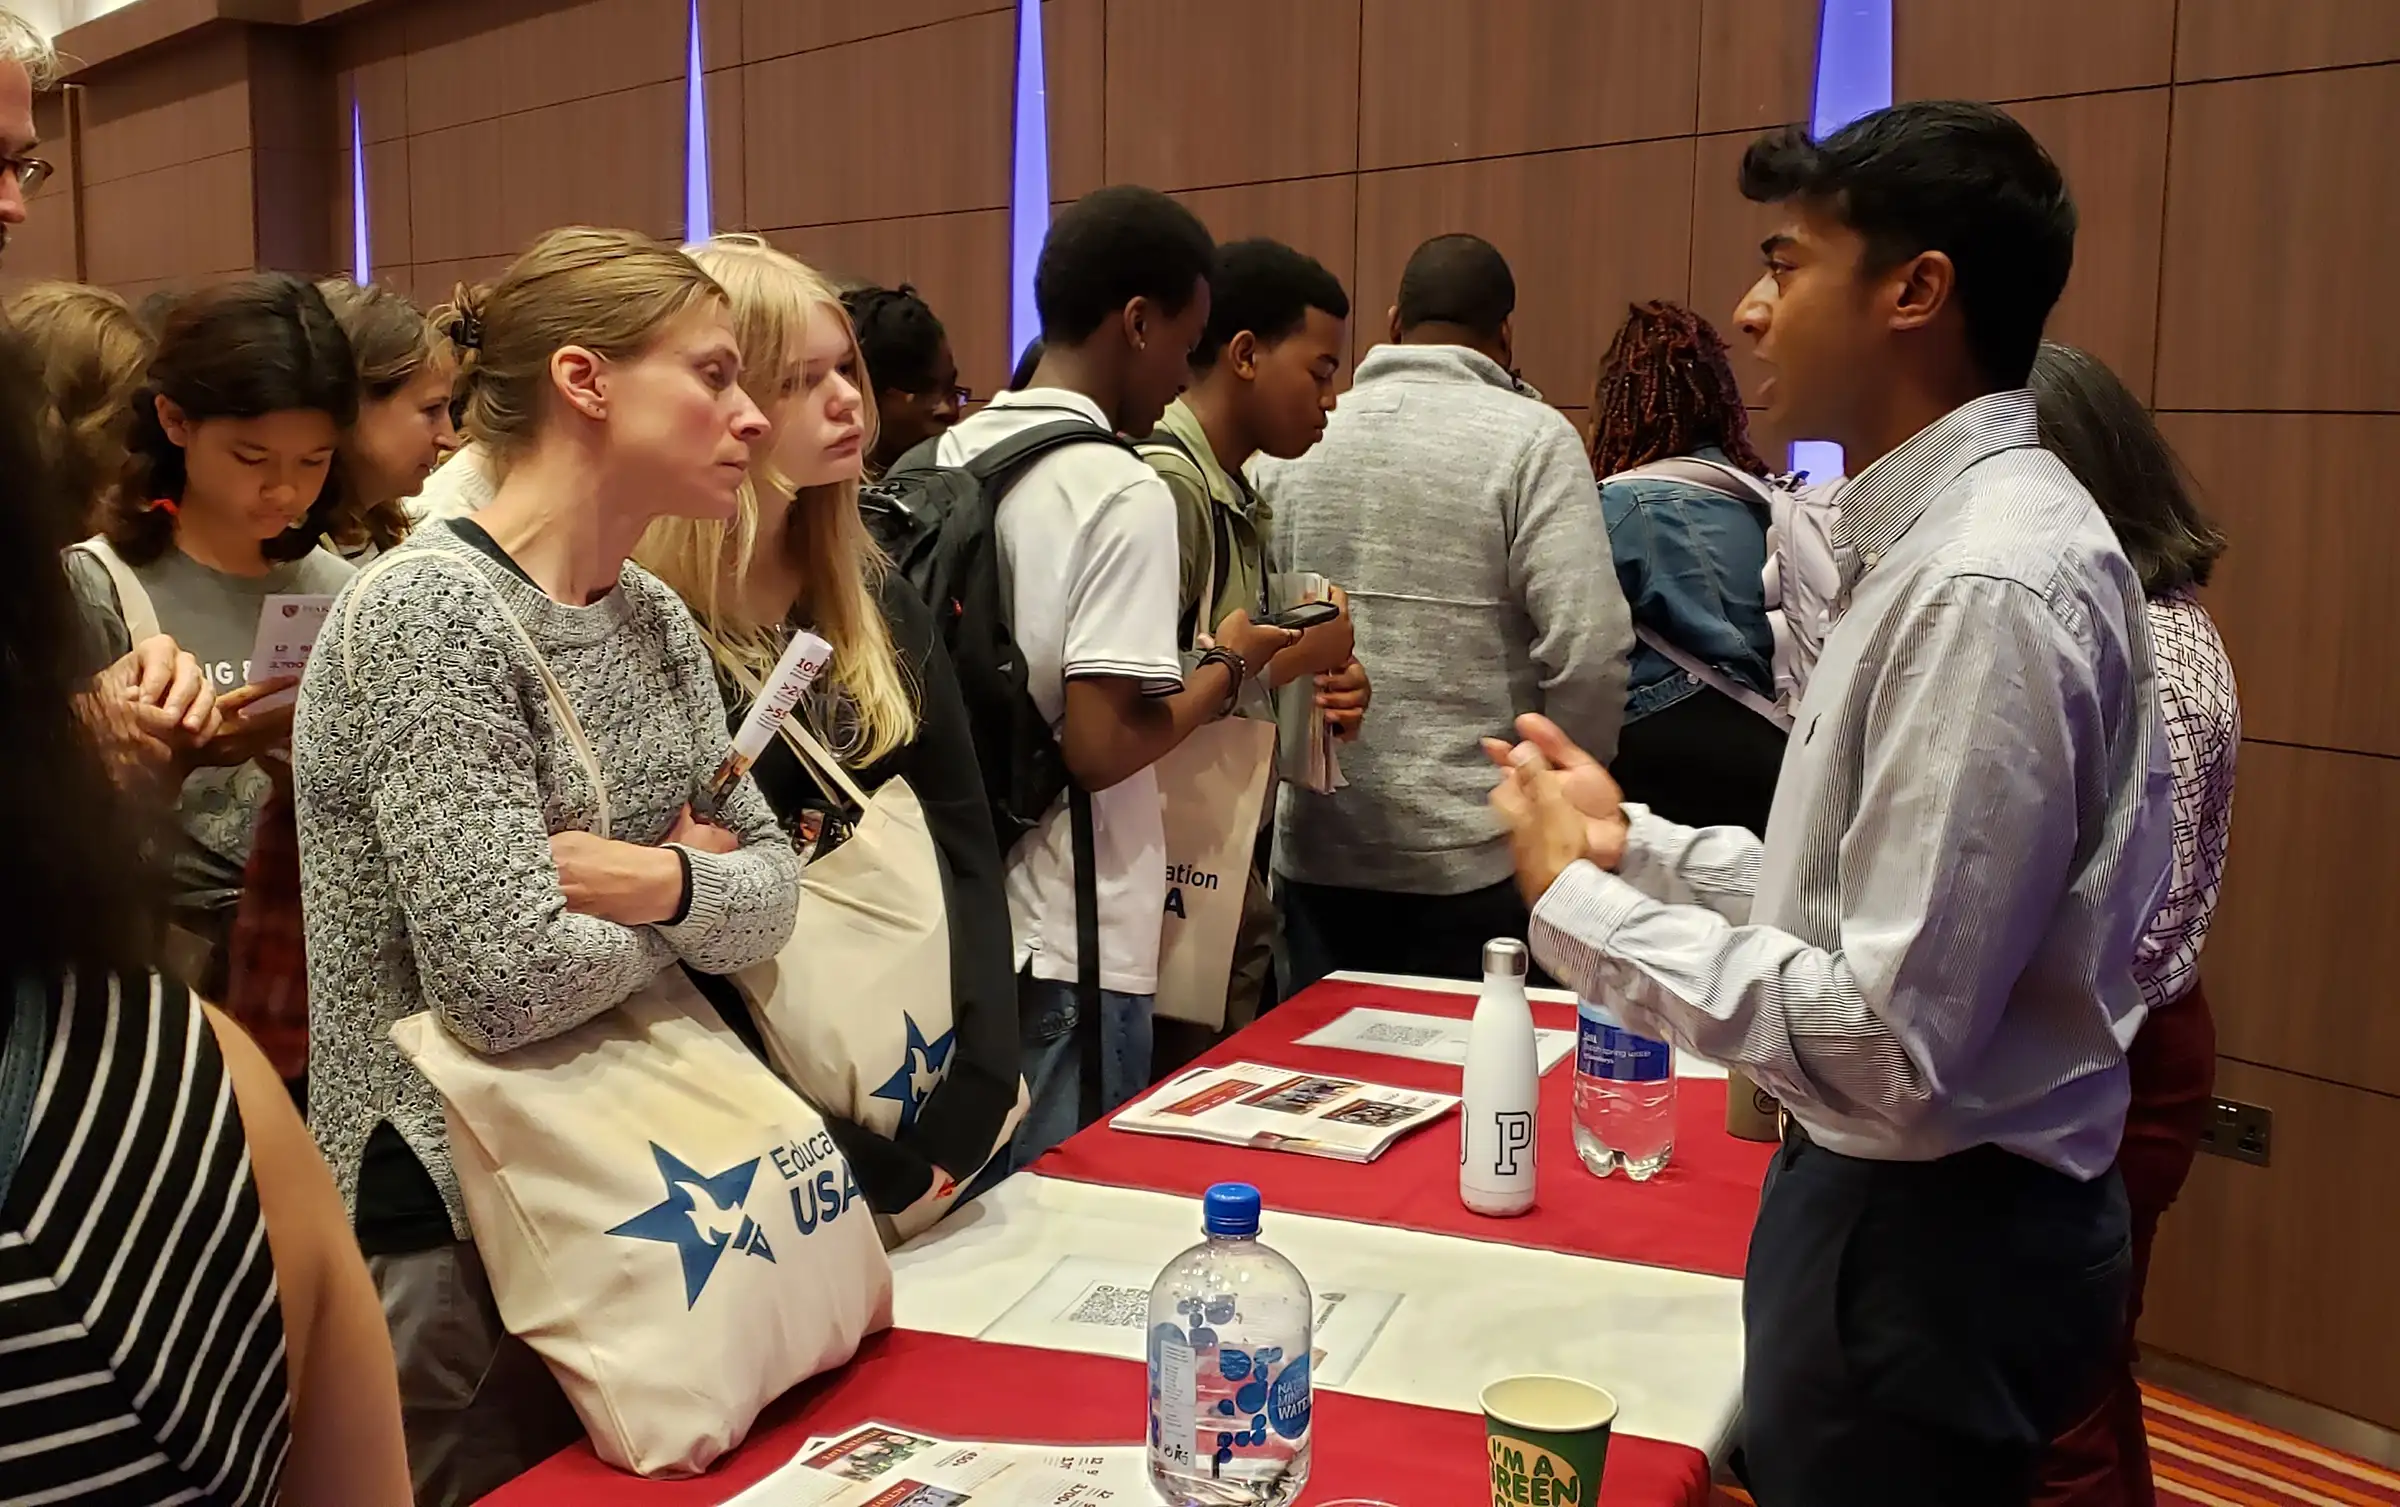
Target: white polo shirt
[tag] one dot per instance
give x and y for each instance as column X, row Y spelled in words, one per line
column 1089, row 565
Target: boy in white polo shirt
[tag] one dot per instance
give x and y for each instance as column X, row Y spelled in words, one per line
column 1089, row 567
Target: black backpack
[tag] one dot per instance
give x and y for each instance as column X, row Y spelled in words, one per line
column 938, row 525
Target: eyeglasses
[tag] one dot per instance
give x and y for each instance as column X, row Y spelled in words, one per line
column 32, row 172
column 961, row 396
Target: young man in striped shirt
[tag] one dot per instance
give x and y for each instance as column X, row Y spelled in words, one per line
column 1928, row 959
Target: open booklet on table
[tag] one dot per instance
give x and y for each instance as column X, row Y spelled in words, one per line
column 1278, row 1109
column 879, row 1465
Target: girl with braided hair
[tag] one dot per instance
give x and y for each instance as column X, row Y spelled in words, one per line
column 1687, row 525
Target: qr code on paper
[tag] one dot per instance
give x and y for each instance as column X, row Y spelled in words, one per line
column 1111, row 1307
column 1383, row 1034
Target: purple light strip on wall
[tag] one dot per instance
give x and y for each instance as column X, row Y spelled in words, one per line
column 1854, row 78
column 362, row 265
column 1029, row 187
column 698, row 216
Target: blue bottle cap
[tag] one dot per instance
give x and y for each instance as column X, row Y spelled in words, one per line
column 1231, row 1209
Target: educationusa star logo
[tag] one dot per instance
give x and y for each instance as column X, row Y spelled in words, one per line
column 920, row 1072
column 701, row 1217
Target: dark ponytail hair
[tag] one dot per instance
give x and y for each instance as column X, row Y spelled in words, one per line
column 2093, row 422
column 245, row 348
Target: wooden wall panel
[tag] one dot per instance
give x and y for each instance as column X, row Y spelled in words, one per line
column 2282, row 196
column 1440, row 82
column 2029, row 49
column 1726, row 230
column 1557, row 218
column 184, row 221
column 720, row 34
column 958, row 262
column 2305, row 882
column 2113, row 150
column 472, row 60
column 369, row 58
column 488, row 188
column 157, row 112
column 728, row 154
column 2282, row 1273
column 2308, row 598
column 1316, row 215
column 776, row 28
column 43, row 249
column 291, row 99
column 1075, row 82
column 901, row 155
column 389, row 241
column 2233, row 38
column 1209, row 92
column 1757, row 62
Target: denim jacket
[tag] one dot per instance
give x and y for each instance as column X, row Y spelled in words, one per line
column 1690, row 561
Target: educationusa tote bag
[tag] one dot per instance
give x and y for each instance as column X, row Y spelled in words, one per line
column 669, row 1227
column 856, row 1010
column 1210, row 789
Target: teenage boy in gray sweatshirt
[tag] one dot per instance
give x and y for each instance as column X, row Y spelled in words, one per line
column 1458, row 509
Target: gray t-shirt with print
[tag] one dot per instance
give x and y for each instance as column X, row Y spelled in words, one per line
column 213, row 617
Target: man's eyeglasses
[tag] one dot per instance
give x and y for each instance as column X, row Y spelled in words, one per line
column 960, row 396
column 32, row 173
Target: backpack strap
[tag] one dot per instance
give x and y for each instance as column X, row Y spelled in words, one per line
column 1002, row 463
column 133, row 599
column 1709, row 475
column 1087, row 954
column 1715, row 679
column 24, row 1041
column 1220, row 538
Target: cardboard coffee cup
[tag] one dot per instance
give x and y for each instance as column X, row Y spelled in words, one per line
column 1548, row 1440
column 1751, row 1113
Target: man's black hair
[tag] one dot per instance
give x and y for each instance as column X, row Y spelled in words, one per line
column 1110, row 247
column 897, row 334
column 1942, row 175
column 1267, row 288
column 1458, row 279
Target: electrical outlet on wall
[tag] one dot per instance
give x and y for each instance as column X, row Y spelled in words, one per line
column 2244, row 1132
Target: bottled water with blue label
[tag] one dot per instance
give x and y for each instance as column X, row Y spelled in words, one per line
column 1624, row 1096
column 1229, row 1366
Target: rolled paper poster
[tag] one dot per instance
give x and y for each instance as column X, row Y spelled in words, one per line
column 804, row 659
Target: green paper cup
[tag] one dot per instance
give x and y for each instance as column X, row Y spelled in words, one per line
column 1548, row 1438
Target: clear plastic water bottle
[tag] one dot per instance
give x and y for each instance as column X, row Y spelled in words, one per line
column 1624, row 1096
column 1230, row 1396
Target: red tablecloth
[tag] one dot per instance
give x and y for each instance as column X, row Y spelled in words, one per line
column 1695, row 1216
column 966, row 1389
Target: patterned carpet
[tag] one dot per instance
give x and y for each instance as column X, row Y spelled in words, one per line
column 2200, row 1457
column 2203, row 1458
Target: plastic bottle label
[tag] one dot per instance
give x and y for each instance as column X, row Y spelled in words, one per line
column 1289, row 1402
column 1610, row 1052
column 1174, row 1398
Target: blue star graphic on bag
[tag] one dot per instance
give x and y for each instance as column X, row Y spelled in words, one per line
column 919, row 1072
column 701, row 1217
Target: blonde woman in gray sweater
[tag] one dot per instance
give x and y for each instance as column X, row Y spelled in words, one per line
column 449, row 859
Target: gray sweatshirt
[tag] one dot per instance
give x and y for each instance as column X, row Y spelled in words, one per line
column 429, row 773
column 1459, row 512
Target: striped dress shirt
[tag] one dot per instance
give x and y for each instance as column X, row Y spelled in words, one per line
column 1932, row 948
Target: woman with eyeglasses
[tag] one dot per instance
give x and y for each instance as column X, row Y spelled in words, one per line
column 917, row 395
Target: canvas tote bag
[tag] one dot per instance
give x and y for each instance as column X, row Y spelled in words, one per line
column 1210, row 789
column 856, row 1011
column 667, row 1225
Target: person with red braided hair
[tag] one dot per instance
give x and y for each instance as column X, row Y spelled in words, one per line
column 1687, row 525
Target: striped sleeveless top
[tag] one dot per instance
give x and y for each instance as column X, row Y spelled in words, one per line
column 141, row 1345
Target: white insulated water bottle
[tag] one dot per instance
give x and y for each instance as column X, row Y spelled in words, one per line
column 1502, row 1090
